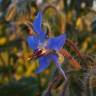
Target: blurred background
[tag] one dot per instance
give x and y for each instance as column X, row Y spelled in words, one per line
column 17, row 76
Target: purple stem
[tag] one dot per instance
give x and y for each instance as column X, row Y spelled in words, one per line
column 61, row 70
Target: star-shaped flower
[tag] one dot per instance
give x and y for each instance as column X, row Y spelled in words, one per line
column 40, row 41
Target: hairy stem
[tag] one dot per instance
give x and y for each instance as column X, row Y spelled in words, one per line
column 74, row 62
column 61, row 70
column 73, row 47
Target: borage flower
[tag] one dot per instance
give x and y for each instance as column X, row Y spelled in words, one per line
column 47, row 46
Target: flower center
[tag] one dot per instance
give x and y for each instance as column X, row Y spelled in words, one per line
column 42, row 45
column 40, row 52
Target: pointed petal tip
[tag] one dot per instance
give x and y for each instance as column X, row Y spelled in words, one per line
column 38, row 22
column 32, row 42
column 57, row 43
column 44, row 62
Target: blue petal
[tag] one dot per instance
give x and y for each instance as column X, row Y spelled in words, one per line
column 32, row 42
column 37, row 23
column 37, row 26
column 56, row 43
column 44, row 62
column 55, row 59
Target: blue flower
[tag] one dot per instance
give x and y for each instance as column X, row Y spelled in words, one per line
column 42, row 42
